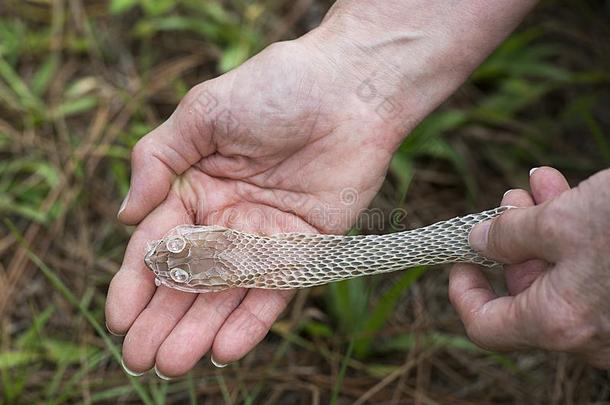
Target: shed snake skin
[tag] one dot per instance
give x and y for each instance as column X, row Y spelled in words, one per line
column 197, row 259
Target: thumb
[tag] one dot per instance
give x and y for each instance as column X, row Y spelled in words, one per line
column 513, row 237
column 167, row 152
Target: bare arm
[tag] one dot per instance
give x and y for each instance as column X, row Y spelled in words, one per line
column 406, row 57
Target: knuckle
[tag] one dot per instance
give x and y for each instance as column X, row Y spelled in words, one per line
column 140, row 151
column 281, row 48
column 476, row 334
column 497, row 240
column 225, row 307
column 547, row 221
column 252, row 327
column 557, row 228
column 197, row 95
column 199, row 102
column 195, row 112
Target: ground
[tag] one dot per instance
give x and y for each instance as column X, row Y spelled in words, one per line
column 81, row 82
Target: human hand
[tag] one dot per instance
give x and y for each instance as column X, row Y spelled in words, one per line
column 559, row 272
column 266, row 148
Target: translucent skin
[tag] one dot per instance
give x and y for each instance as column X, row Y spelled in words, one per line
column 194, row 264
column 203, row 259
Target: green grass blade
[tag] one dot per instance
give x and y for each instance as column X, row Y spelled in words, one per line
column 191, row 388
column 341, row 376
column 348, row 302
column 375, row 321
column 76, row 378
column 28, row 100
column 45, row 74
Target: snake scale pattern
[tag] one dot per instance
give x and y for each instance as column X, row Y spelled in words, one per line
column 198, row 259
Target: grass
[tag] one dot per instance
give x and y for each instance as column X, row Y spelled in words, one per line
column 81, row 82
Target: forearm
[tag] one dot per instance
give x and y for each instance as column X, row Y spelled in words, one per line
column 404, row 58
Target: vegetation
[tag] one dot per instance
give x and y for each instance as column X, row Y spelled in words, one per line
column 81, row 82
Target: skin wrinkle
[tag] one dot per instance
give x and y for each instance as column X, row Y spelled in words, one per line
column 257, row 195
column 194, row 133
column 474, row 327
column 282, row 178
column 162, row 156
column 218, row 163
column 194, row 141
column 204, row 123
column 524, row 309
column 251, row 325
column 198, row 196
column 181, row 189
column 269, row 176
column 304, row 224
column 171, row 318
column 563, row 327
column 514, row 311
column 229, row 303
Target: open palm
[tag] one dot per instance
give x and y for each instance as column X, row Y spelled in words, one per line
column 265, row 148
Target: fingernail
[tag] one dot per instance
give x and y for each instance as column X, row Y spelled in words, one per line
column 478, row 236
column 161, row 375
column 128, row 371
column 113, row 333
column 217, row 364
column 533, row 170
column 123, row 204
column 506, row 193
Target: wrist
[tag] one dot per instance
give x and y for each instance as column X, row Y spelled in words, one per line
column 401, row 59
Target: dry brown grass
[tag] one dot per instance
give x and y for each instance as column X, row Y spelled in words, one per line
column 78, row 87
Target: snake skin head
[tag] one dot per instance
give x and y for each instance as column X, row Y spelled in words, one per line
column 185, row 259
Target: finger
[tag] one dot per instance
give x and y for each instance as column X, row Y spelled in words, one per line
column 193, row 336
column 166, row 152
column 133, row 285
column 248, row 324
column 491, row 322
column 522, row 275
column 547, row 183
column 152, row 326
column 517, row 198
column 514, row 237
